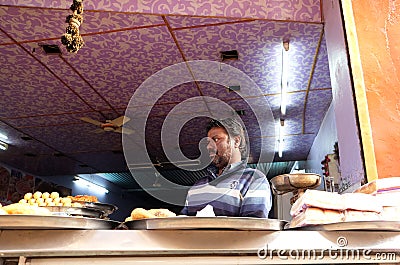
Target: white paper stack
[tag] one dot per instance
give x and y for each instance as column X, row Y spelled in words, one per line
column 321, row 207
column 317, row 207
column 387, row 193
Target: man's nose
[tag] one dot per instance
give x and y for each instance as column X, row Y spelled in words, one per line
column 211, row 145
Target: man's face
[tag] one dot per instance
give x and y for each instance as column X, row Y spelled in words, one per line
column 219, row 147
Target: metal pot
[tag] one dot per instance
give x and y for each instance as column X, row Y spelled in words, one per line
column 291, row 182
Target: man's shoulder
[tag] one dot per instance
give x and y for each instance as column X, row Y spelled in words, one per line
column 254, row 172
column 202, row 181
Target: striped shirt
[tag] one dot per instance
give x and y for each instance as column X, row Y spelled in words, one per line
column 238, row 191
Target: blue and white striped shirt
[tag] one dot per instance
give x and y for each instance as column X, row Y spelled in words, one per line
column 238, row 191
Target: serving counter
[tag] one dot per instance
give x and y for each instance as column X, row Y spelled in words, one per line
column 201, row 246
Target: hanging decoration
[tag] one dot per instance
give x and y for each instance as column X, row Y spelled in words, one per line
column 71, row 39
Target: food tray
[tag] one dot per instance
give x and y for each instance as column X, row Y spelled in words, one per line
column 75, row 211
column 234, row 223
column 359, row 225
column 34, row 222
column 107, row 209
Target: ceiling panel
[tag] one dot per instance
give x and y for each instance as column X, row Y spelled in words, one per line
column 317, row 104
column 29, row 24
column 18, row 146
column 80, row 139
column 124, row 60
column 259, row 44
column 30, row 89
column 321, row 77
column 181, row 22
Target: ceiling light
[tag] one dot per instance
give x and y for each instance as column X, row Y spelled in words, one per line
column 280, row 140
column 89, row 184
column 285, row 73
column 3, row 136
column 3, row 146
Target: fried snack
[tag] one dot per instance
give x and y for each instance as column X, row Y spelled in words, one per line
column 76, row 204
column 28, row 196
column 47, row 199
column 163, row 213
column 19, row 208
column 37, row 195
column 54, row 195
column 140, row 213
column 66, row 202
column 2, row 212
column 84, row 198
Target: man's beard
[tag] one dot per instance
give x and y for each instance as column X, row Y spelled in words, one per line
column 221, row 161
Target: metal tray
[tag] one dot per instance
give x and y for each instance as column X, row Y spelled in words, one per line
column 107, row 209
column 359, row 225
column 75, row 211
column 34, row 222
column 234, row 223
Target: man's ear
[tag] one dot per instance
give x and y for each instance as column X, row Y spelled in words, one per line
column 237, row 139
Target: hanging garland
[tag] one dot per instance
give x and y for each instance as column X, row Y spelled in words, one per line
column 71, row 39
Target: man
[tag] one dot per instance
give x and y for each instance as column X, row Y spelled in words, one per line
column 230, row 187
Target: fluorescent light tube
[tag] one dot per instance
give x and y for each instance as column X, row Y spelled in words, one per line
column 284, row 80
column 3, row 146
column 280, row 141
column 90, row 185
column 3, row 136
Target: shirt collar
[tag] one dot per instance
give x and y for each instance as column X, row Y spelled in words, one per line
column 232, row 167
column 212, row 169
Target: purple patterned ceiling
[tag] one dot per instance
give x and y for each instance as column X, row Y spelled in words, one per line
column 44, row 96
